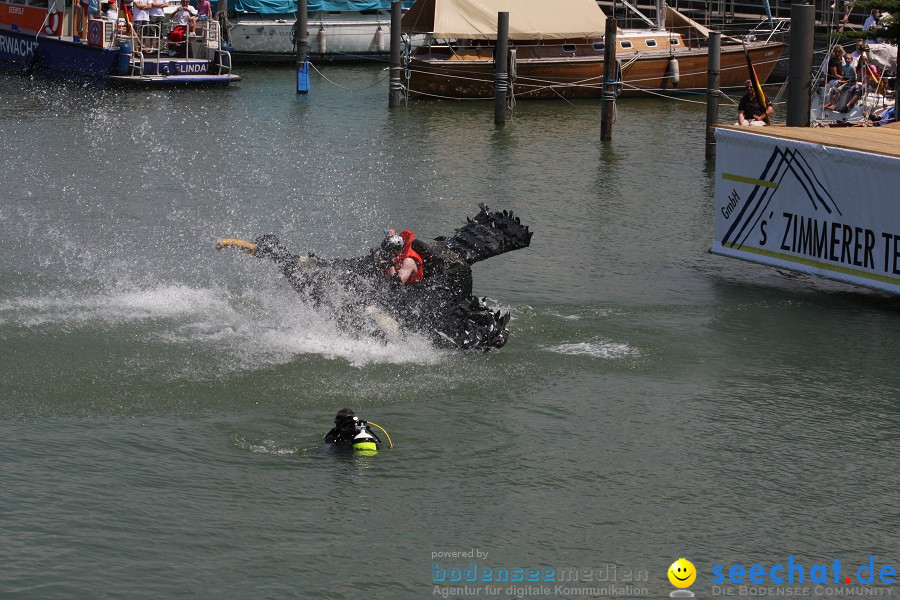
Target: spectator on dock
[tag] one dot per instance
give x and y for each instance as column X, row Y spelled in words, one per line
column 750, row 110
column 872, row 20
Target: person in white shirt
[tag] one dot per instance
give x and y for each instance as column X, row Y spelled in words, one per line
column 185, row 17
column 157, row 14
column 112, row 11
column 185, row 14
column 141, row 15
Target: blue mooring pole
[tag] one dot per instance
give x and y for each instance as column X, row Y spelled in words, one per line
column 301, row 44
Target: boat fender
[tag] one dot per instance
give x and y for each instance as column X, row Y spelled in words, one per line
column 379, row 39
column 672, row 72
column 124, row 58
column 323, row 45
column 619, row 80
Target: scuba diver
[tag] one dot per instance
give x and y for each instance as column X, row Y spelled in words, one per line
column 353, row 433
column 404, row 263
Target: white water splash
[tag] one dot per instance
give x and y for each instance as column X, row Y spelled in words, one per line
column 276, row 326
column 596, row 349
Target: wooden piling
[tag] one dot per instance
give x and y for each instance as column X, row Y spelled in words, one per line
column 501, row 63
column 801, row 52
column 608, row 104
column 712, row 91
column 395, row 87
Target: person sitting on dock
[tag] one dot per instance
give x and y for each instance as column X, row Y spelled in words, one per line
column 404, row 264
column 750, row 112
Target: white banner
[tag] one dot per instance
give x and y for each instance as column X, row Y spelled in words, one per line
column 811, row 208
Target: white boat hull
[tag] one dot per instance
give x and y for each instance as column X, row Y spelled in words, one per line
column 345, row 35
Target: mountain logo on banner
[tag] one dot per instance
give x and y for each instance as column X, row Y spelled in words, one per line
column 782, row 163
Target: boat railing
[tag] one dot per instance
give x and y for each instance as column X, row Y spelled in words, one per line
column 137, row 62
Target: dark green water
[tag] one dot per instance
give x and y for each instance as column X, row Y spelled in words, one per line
column 162, row 404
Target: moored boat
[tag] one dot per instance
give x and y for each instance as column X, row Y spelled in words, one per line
column 557, row 50
column 339, row 30
column 863, row 101
column 47, row 38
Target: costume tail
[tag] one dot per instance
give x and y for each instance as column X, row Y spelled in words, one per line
column 490, row 233
column 474, row 326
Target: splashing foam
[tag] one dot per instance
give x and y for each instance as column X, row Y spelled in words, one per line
column 275, row 324
column 596, row 349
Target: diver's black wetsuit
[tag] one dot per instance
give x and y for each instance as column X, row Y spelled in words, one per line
column 344, row 432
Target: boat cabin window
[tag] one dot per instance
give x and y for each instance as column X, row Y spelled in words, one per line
column 38, row 3
column 651, row 43
column 599, row 45
column 673, row 41
column 568, row 47
column 625, row 44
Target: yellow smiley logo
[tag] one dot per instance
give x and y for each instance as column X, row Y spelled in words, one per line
column 682, row 573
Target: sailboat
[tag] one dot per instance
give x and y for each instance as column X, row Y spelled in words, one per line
column 557, row 49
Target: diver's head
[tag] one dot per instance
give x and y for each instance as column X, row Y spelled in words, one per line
column 343, row 414
column 392, row 243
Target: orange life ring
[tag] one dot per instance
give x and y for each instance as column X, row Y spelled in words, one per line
column 54, row 23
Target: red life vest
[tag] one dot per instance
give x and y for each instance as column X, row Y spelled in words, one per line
column 408, row 252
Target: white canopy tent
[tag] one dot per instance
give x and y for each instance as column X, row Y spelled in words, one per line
column 528, row 19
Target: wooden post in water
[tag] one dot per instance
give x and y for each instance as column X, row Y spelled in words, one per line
column 608, row 106
column 799, row 79
column 394, row 86
column 501, row 63
column 712, row 91
column 301, row 41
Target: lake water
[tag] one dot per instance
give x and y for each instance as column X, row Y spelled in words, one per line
column 163, row 404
